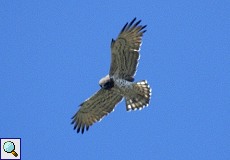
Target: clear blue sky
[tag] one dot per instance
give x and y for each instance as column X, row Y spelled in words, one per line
column 52, row 55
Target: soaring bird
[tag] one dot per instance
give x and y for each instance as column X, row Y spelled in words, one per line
column 119, row 83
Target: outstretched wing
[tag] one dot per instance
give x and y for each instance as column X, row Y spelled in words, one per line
column 95, row 108
column 125, row 50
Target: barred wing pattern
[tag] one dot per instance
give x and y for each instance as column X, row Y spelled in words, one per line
column 125, row 51
column 95, row 108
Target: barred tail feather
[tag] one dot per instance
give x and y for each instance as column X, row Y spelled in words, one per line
column 141, row 96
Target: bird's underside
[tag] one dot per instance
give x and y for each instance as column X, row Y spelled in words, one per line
column 118, row 84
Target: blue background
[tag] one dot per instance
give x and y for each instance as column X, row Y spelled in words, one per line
column 52, row 55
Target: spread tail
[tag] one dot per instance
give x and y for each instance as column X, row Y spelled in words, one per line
column 140, row 97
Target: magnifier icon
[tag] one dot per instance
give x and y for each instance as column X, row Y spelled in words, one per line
column 9, row 147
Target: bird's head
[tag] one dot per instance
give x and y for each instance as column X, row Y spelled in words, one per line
column 106, row 82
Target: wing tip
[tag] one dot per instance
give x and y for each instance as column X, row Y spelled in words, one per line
column 131, row 26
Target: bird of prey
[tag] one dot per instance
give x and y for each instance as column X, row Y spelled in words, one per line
column 119, row 83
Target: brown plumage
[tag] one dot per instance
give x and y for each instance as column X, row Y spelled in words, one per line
column 119, row 83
